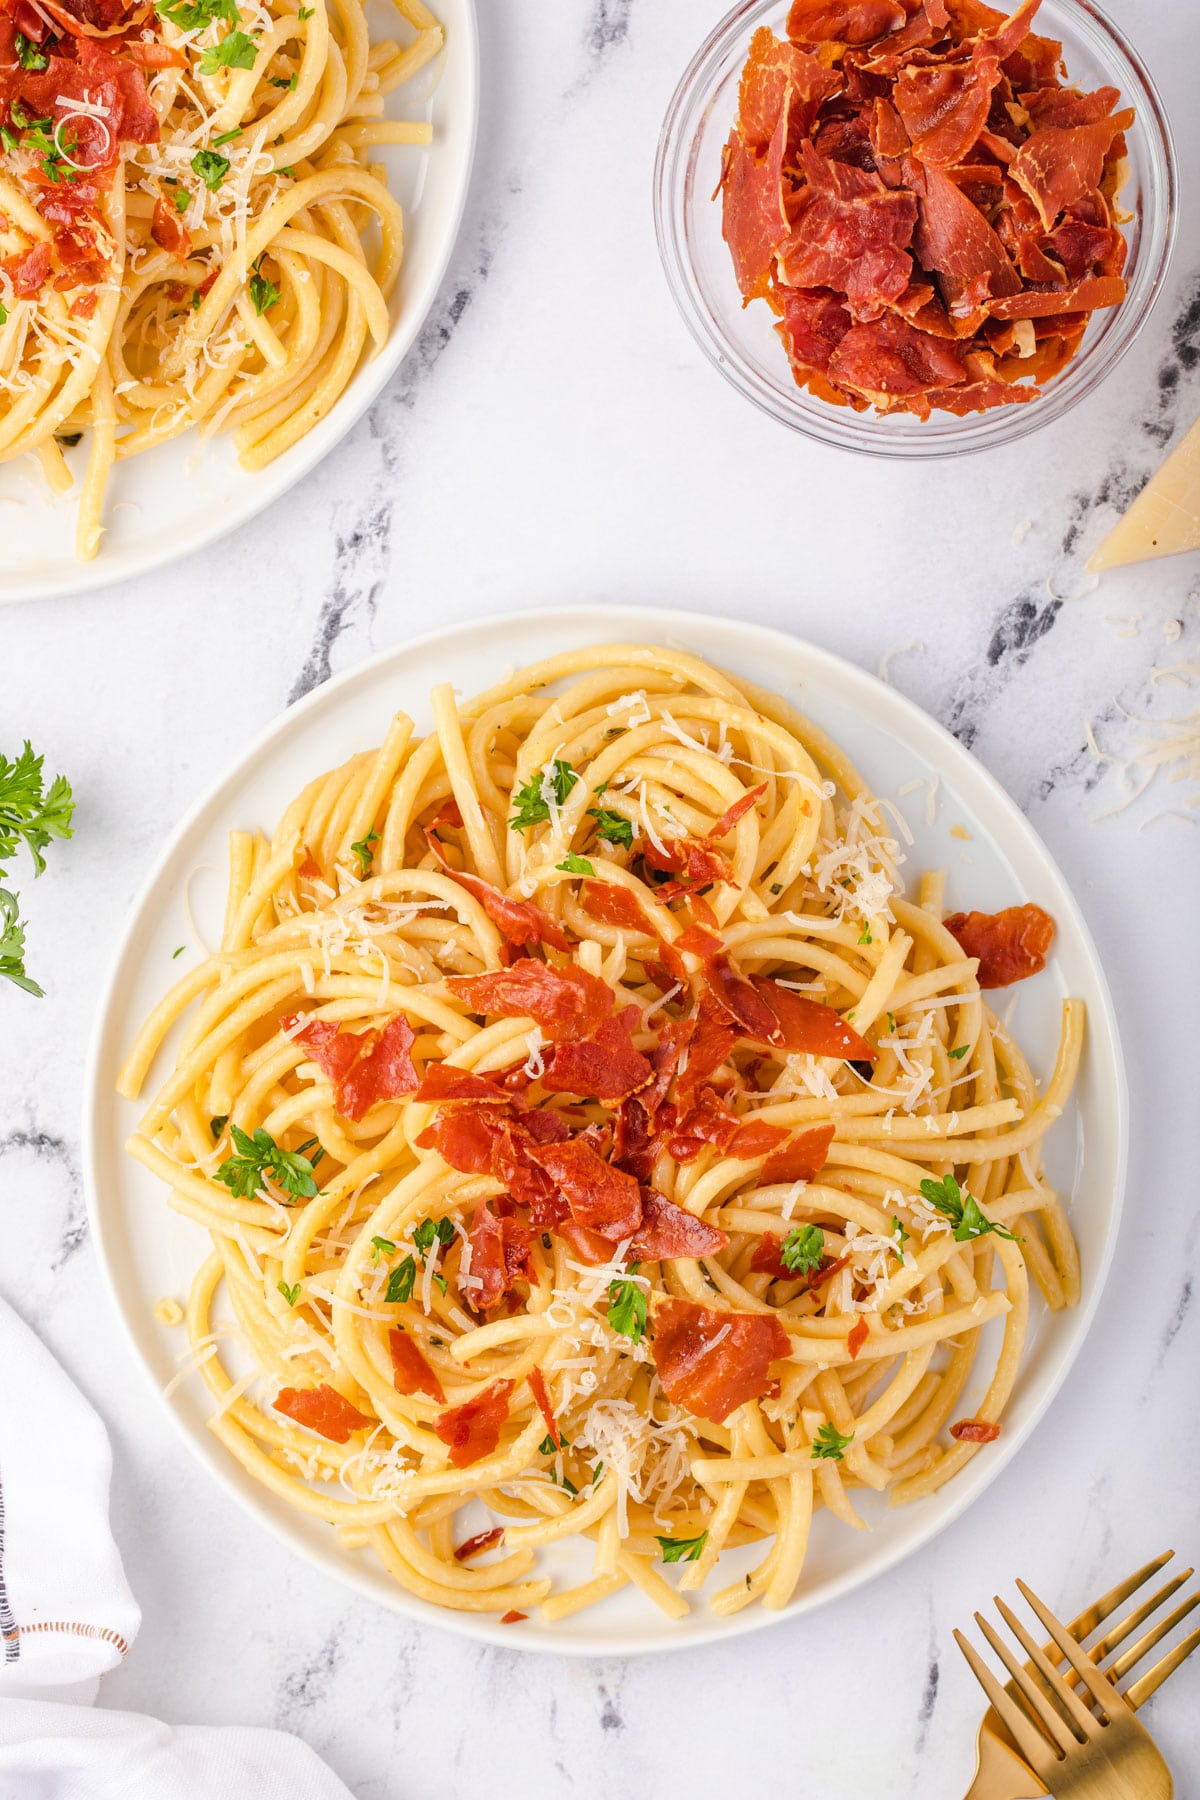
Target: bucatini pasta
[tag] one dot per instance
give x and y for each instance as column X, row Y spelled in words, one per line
column 595, row 1143
column 193, row 226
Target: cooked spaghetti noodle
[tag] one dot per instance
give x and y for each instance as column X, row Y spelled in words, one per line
column 589, row 1131
column 189, row 199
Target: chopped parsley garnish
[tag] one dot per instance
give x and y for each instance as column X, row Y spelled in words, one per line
column 288, row 82
column 182, row 200
column 211, row 167
column 68, row 439
column 227, row 137
column 197, row 296
column 430, row 1232
column 683, row 1549
column 31, row 814
column 194, row 15
column 306, row 12
column 236, row 51
column 891, row 1019
column 802, row 1249
column 401, row 1280
column 533, row 807
column 627, row 1307
column 264, row 293
column 548, row 1447
column 381, row 1246
column 260, row 1158
column 575, row 865
column 28, row 54
column 611, row 826
column 217, row 1124
column 830, row 1444
column 962, row 1210
column 864, row 936
column 900, row 1235
column 364, row 848
column 176, row 954
column 8, row 140
column 961, row 1051
column 290, row 1294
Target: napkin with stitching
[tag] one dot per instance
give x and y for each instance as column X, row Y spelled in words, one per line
column 67, row 1616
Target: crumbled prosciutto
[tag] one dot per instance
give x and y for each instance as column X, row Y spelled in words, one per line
column 323, row 1410
column 521, row 922
column 711, row 1360
column 483, row 1540
column 975, row 1431
column 1010, row 945
column 365, row 1067
column 541, row 1393
column 473, row 1429
column 499, row 1257
column 411, row 1374
column 568, row 1003
column 668, row 1231
column 800, row 1159
column 605, row 1065
column 599, row 1196
column 443, row 1083
column 169, row 231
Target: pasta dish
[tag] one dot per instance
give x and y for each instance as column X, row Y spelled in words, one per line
column 194, row 228
column 597, row 1143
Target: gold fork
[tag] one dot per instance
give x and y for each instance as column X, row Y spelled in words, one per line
column 1000, row 1774
column 1074, row 1752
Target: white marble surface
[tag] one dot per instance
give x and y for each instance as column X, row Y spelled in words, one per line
column 556, row 437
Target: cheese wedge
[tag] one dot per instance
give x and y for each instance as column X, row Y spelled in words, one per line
column 1165, row 517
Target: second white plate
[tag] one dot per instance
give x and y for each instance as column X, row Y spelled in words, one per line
column 149, row 1251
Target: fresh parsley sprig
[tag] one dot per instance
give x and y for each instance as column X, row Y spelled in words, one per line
column 829, row 1444
column 611, row 826
column 34, row 815
column 259, row 1158
column 264, row 293
column 962, row 1210
column 236, row 51
column 575, row 865
column 531, row 802
column 683, row 1549
column 364, row 849
column 802, row 1249
column 28, row 54
column 628, row 1308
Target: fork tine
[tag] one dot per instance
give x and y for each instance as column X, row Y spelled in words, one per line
column 1025, row 1735
column 1112, row 1639
column 1039, row 1705
column 1108, row 1603
column 1110, row 1700
column 1056, row 1684
column 1140, row 1691
column 1135, row 1653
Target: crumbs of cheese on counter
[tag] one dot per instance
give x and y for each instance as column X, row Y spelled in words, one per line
column 960, row 832
column 168, row 1311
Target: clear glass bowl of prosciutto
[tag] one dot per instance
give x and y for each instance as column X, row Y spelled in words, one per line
column 915, row 227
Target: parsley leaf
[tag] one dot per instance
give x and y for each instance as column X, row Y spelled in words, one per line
column 864, row 936
column 227, row 137
column 210, row 166
column 264, row 293
column 30, row 813
column 3, row 313
column 575, row 865
column 400, row 1281
column 533, row 808
column 194, row 15
column 683, row 1549
column 365, row 853
column 28, row 54
column 547, row 1447
column 182, row 200
column 260, row 1157
column 217, row 1124
column 962, row 1210
column 236, row 51
column 628, row 1308
column 611, row 826
column 961, row 1051
column 306, row 12
column 12, row 946
column 830, row 1444
column 290, row 1294
column 802, row 1249
column 430, row 1232
column 288, row 82
column 900, row 1234
column 381, row 1246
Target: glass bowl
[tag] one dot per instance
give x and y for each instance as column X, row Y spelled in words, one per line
column 742, row 343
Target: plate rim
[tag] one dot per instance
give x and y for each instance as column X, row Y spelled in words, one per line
column 647, row 625
column 371, row 376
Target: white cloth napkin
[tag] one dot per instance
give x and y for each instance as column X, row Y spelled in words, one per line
column 67, row 1616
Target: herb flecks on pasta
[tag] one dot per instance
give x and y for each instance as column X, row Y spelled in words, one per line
column 577, row 1164
column 194, row 228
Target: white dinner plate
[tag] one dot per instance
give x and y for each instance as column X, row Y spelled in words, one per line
column 150, row 1252
column 185, row 494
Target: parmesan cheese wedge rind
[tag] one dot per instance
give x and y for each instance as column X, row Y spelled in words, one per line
column 1164, row 519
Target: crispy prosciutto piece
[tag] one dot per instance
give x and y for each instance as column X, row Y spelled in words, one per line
column 1088, row 295
column 851, row 233
column 944, row 106
column 890, row 357
column 695, row 861
column 411, row 1374
column 710, row 1360
column 521, row 922
column 712, row 1040
column 814, row 323
column 473, row 1429
column 600, row 1196
column 444, row 1084
column 1010, row 944
column 613, row 904
column 499, row 1257
column 707, row 1121
column 856, row 1337
column 757, row 1138
column 751, row 1011
column 1063, row 107
column 541, row 1393
column 465, row 1137
column 774, row 66
column 806, row 1025
column 1058, row 165
column 954, row 241
column 754, row 219
column 668, row 1231
column 801, row 1159
column 28, row 272
column 169, row 231
column 843, row 21
column 605, row 1065
column 483, row 1540
column 334, row 1050
column 567, row 1003
column 364, row 1066
column 323, row 1410
column 975, row 1431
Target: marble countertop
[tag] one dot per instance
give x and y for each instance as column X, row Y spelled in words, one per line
column 554, row 437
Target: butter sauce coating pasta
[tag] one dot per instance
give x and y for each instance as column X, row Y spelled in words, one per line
column 194, row 225
column 595, row 1142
